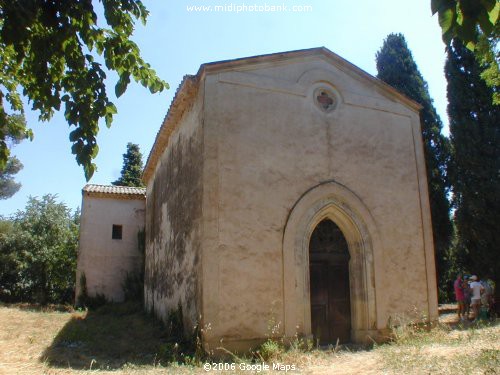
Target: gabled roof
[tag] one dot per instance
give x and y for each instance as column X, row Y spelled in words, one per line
column 112, row 191
column 190, row 84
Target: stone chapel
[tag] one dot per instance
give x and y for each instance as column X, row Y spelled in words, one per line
column 288, row 187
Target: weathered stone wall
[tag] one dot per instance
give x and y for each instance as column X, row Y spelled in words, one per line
column 106, row 261
column 266, row 145
column 173, row 223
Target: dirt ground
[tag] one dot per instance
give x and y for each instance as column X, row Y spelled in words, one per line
column 26, row 334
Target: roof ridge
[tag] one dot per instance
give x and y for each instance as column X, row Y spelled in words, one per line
column 114, row 190
column 115, row 186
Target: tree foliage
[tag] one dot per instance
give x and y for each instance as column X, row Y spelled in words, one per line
column 8, row 187
column 487, row 54
column 396, row 67
column 38, row 248
column 475, row 23
column 462, row 19
column 52, row 51
column 132, row 167
column 475, row 167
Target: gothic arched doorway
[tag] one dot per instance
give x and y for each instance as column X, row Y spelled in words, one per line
column 329, row 284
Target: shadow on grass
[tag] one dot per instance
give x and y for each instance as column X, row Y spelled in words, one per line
column 107, row 338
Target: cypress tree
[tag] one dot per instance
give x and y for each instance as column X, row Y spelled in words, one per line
column 475, row 167
column 132, row 167
column 396, row 67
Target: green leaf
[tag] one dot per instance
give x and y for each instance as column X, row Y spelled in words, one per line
column 467, row 31
column 489, row 5
column 153, row 87
column 111, row 108
column 471, row 45
column 95, row 151
column 29, row 134
column 75, row 135
column 494, row 13
column 460, row 17
column 120, row 88
column 77, row 147
column 446, row 19
column 109, row 119
column 484, row 22
column 436, row 5
column 89, row 170
column 121, row 85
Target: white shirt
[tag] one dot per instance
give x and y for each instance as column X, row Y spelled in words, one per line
column 476, row 289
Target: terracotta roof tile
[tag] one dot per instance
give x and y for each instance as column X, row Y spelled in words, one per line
column 124, row 191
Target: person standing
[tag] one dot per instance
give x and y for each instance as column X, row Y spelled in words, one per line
column 459, row 296
column 476, row 288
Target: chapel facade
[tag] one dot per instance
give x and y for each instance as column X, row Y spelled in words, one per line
column 290, row 188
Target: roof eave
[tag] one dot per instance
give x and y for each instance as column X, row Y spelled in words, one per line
column 122, row 196
column 218, row 66
column 181, row 101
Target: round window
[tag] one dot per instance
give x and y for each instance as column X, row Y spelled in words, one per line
column 325, row 99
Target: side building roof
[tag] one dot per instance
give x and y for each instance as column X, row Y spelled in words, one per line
column 113, row 192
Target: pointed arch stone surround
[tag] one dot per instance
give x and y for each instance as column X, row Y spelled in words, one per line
column 336, row 202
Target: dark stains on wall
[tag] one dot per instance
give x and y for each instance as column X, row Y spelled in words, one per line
column 173, row 242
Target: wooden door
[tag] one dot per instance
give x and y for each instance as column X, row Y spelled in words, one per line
column 329, row 284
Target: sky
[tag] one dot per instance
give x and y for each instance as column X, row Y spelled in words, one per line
column 178, row 38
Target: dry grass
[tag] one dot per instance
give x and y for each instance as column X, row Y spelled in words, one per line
column 465, row 349
column 122, row 340
column 35, row 341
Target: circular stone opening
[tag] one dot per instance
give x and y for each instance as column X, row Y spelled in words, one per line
column 325, row 99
